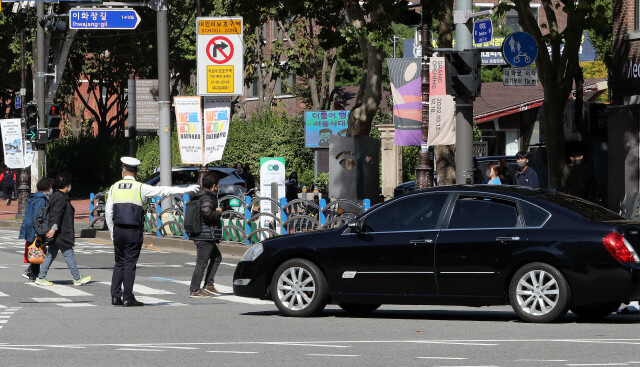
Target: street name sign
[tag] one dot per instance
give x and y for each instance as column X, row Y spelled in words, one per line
column 220, row 56
column 520, row 49
column 103, row 18
column 520, row 77
column 18, row 102
column 482, row 31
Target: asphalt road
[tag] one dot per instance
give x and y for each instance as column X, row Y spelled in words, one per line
column 65, row 325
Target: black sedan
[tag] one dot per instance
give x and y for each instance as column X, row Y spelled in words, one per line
column 541, row 251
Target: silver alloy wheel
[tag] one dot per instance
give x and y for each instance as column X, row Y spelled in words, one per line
column 296, row 288
column 537, row 292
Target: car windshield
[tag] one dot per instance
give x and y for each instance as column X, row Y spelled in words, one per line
column 587, row 209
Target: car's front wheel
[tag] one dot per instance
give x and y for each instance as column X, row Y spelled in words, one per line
column 595, row 311
column 299, row 288
column 539, row 293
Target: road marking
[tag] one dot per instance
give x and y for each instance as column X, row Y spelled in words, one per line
column 75, row 305
column 141, row 350
column 15, row 348
column 308, row 345
column 142, row 289
column 51, row 300
column 334, row 355
column 3, row 321
column 3, row 267
column 158, row 265
column 224, row 289
column 3, row 294
column 63, row 290
column 230, row 352
column 152, row 301
column 445, row 358
column 227, row 264
column 596, row 364
column 541, row 360
column 168, row 347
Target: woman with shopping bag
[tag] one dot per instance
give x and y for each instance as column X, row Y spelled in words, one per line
column 36, row 201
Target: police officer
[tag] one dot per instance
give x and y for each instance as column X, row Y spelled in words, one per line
column 125, row 218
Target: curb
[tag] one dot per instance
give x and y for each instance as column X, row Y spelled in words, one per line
column 228, row 249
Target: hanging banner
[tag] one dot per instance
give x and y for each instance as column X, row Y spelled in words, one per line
column 12, row 143
column 217, row 114
column 406, row 89
column 442, row 122
column 438, row 81
column 189, row 124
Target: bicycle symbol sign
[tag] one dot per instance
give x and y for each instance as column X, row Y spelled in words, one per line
column 519, row 49
column 220, row 50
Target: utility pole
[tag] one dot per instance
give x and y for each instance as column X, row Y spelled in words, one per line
column 24, row 186
column 464, row 104
column 424, row 169
column 38, row 169
column 203, row 169
column 164, row 98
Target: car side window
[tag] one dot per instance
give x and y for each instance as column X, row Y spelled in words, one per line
column 414, row 213
column 533, row 216
column 483, row 212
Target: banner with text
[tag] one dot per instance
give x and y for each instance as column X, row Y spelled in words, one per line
column 442, row 108
column 217, row 114
column 406, row 89
column 17, row 154
column 189, row 124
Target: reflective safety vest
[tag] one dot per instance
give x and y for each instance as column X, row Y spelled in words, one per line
column 128, row 208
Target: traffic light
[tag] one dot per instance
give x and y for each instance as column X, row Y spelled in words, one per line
column 31, row 121
column 53, row 121
column 463, row 73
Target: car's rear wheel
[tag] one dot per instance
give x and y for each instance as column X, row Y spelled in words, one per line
column 595, row 311
column 299, row 288
column 359, row 309
column 539, row 293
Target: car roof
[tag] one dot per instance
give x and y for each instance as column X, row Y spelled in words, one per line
column 521, row 192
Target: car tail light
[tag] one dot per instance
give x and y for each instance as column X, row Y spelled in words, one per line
column 620, row 248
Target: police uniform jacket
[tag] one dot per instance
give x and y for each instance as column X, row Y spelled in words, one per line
column 124, row 212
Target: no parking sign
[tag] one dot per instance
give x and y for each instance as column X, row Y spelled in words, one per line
column 220, row 56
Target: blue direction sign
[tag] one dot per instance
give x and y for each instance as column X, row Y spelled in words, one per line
column 519, row 49
column 101, row 18
column 482, row 31
column 18, row 102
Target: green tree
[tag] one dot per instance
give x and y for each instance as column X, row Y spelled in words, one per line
column 558, row 67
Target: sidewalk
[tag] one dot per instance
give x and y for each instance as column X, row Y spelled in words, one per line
column 8, row 220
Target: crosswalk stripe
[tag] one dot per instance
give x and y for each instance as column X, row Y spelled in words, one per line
column 3, row 294
column 152, row 301
column 143, row 289
column 50, row 300
column 63, row 290
column 75, row 304
column 230, row 297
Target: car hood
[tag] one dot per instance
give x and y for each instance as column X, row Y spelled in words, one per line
column 295, row 239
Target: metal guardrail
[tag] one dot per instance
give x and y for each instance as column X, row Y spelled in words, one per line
column 242, row 220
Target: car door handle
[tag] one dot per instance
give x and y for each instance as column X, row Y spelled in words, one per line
column 420, row 242
column 507, row 239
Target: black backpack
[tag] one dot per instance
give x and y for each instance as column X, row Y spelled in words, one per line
column 192, row 217
column 41, row 221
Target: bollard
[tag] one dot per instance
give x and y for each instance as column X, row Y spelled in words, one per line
column 158, row 219
column 91, row 207
column 283, row 215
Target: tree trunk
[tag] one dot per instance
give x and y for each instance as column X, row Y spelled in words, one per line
column 370, row 91
column 553, row 108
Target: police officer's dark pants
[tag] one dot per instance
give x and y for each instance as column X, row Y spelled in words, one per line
column 124, row 270
column 208, row 257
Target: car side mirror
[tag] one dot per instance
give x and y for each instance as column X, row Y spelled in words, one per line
column 355, row 226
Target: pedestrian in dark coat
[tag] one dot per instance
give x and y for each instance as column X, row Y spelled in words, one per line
column 8, row 180
column 208, row 254
column 577, row 178
column 61, row 235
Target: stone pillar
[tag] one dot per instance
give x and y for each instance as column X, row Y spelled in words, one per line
column 390, row 159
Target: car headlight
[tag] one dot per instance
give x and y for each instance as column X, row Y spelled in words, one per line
column 252, row 253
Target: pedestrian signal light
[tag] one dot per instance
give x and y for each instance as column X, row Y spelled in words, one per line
column 463, row 73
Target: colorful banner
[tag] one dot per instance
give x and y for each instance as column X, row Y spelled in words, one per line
column 15, row 153
column 321, row 125
column 442, row 122
column 189, row 124
column 217, row 114
column 406, row 89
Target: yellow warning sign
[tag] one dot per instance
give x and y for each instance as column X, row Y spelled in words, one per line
column 220, row 79
column 226, row 26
